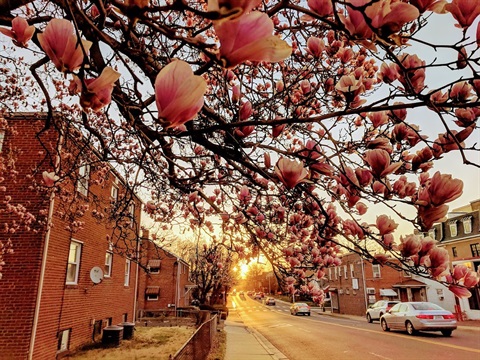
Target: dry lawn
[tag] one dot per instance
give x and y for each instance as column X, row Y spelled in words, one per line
column 149, row 343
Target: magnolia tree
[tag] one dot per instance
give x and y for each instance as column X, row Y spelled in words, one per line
column 280, row 123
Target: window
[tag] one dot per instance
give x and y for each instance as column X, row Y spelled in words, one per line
column 336, row 273
column 152, row 292
column 453, row 228
column 329, row 273
column 376, row 270
column 475, row 249
column 2, row 138
column 83, row 176
column 154, row 266
column 108, row 264
column 352, row 271
column 127, row 273
column 73, row 262
column 345, row 271
column 454, row 251
column 431, row 233
column 114, row 193
column 467, row 224
column 131, row 210
column 63, row 338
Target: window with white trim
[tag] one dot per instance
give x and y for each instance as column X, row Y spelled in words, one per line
column 108, row 264
column 73, row 266
column 467, row 225
column 376, row 270
column 352, row 271
column 131, row 210
column 63, row 338
column 330, row 274
column 453, row 228
column 336, row 272
column 114, row 193
column 2, row 138
column 83, row 177
column 345, row 271
column 127, row 273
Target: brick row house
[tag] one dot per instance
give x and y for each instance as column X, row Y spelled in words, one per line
column 460, row 235
column 67, row 281
column 356, row 284
column 165, row 284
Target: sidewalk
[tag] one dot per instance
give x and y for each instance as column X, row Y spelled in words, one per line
column 245, row 343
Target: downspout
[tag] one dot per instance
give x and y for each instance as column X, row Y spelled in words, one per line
column 364, row 283
column 44, row 259
column 136, row 281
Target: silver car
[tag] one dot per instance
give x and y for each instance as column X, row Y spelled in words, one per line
column 300, row 308
column 419, row 316
column 375, row 311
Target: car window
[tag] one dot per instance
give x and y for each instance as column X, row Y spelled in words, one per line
column 426, row 306
column 403, row 308
column 395, row 308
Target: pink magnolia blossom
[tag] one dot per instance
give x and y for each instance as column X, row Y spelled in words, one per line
column 97, row 93
column 49, row 178
column 277, row 130
column 250, row 38
column 150, row 207
column 410, row 245
column 178, row 93
column 414, row 74
column 389, row 73
column 464, row 11
column 21, row 32
column 290, row 172
column 430, row 215
column 244, row 195
column 321, row 7
column 459, row 272
column 246, row 110
column 444, row 189
column 62, row 46
column 385, row 224
column 460, row 291
column 471, row 279
column 379, row 161
column 267, row 160
column 390, row 15
column 315, row 46
column 437, row 6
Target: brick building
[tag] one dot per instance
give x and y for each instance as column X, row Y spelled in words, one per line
column 166, row 283
column 65, row 282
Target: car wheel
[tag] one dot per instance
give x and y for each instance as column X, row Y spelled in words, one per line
column 384, row 325
column 447, row 332
column 369, row 318
column 410, row 329
column 380, row 315
column 308, row 314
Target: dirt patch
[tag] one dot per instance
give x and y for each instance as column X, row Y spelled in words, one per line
column 149, row 343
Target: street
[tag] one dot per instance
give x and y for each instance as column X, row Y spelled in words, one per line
column 327, row 337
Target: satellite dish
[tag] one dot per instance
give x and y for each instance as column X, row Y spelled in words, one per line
column 96, row 274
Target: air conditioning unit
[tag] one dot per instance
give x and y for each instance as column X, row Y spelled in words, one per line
column 371, row 291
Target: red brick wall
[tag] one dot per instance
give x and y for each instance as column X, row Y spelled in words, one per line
column 63, row 306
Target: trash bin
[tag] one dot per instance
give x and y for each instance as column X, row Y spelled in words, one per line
column 128, row 328
column 112, row 335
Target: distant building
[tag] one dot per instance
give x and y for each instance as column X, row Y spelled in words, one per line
column 460, row 235
column 62, row 284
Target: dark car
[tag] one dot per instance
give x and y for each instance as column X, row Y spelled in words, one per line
column 375, row 311
column 419, row 316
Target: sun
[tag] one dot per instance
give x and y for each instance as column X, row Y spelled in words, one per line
column 243, row 270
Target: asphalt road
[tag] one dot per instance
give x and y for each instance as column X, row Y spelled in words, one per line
column 326, row 337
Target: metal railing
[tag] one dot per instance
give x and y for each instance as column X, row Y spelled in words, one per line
column 200, row 343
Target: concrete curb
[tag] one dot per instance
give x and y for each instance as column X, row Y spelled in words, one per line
column 267, row 345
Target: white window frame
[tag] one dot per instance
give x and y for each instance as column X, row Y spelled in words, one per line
column 131, row 211
column 114, row 193
column 83, row 179
column 2, row 139
column 352, row 271
column 330, row 274
column 345, row 272
column 376, row 271
column 108, row 264
column 152, row 297
column 63, row 337
column 453, row 228
column 467, row 225
column 126, row 281
column 75, row 261
column 336, row 272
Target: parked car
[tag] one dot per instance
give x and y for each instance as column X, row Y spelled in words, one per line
column 419, row 316
column 270, row 301
column 257, row 296
column 300, row 308
column 375, row 311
